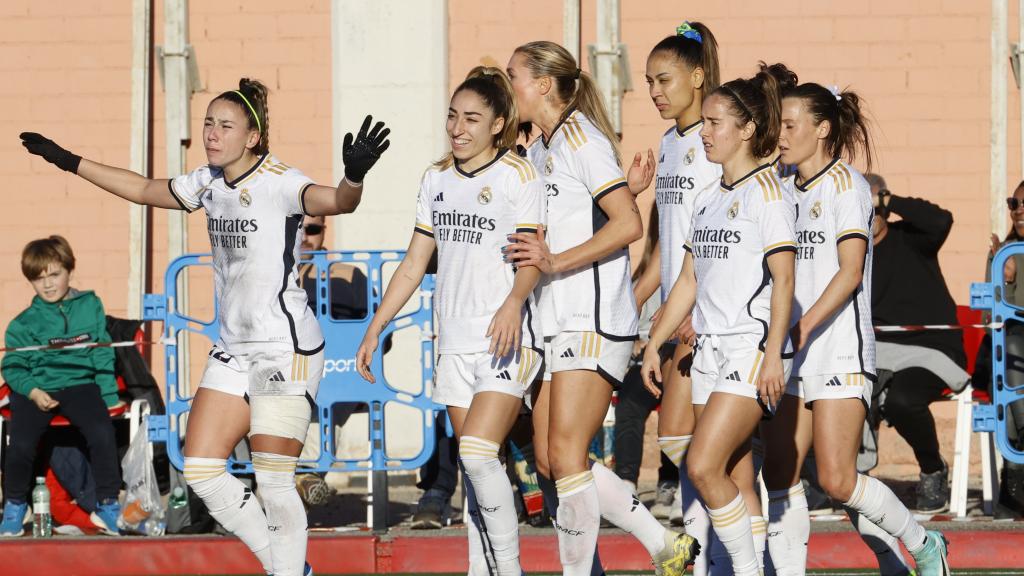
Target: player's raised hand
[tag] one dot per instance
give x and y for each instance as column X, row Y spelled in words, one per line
column 361, row 152
column 641, row 174
column 42, row 146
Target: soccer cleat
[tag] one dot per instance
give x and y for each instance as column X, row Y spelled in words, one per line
column 679, row 552
column 105, row 517
column 14, row 519
column 931, row 560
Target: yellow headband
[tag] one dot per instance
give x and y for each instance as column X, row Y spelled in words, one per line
column 259, row 126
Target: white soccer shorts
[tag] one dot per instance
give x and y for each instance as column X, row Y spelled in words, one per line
column 590, row 351
column 831, row 387
column 459, row 376
column 263, row 368
column 728, row 364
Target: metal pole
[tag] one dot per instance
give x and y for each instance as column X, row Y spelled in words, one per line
column 997, row 138
column 177, row 100
column 608, row 63
column 138, row 216
column 571, row 27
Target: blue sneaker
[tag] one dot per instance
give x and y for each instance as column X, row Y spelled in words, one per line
column 106, row 515
column 308, row 570
column 14, row 519
column 931, row 560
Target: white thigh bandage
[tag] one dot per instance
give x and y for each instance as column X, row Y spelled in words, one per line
column 282, row 416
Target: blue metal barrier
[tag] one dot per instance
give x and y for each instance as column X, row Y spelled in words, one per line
column 989, row 296
column 340, row 384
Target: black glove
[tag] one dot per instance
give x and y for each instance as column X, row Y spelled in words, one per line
column 361, row 155
column 42, row 146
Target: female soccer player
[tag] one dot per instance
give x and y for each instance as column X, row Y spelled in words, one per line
column 270, row 348
column 586, row 303
column 490, row 350
column 737, row 278
column 822, row 131
column 681, row 71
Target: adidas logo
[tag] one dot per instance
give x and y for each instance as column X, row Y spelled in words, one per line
column 636, row 502
column 735, row 376
column 568, row 353
column 277, row 377
column 245, row 497
column 834, row 382
column 439, row 197
column 505, row 375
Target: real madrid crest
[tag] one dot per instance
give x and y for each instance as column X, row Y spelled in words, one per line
column 548, row 166
column 733, row 210
column 244, row 198
column 484, row 197
column 815, row 210
column 688, row 159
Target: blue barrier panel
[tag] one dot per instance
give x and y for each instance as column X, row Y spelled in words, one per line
column 1006, row 388
column 340, row 384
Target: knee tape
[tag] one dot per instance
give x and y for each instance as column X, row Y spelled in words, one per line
column 478, row 456
column 282, row 416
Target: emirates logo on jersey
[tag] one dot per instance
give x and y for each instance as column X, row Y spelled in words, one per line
column 484, row 197
column 549, row 166
column 815, row 212
column 688, row 159
column 733, row 210
column 244, row 198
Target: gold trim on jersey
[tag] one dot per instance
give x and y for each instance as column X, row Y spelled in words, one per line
column 424, row 229
column 852, row 231
column 730, row 187
column 607, row 187
column 574, row 133
column 770, row 188
column 778, row 245
column 817, row 178
column 688, row 130
column 526, row 227
column 522, row 166
column 841, row 177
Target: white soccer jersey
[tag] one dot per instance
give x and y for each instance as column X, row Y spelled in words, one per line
column 734, row 231
column 470, row 215
column 255, row 226
column 833, row 206
column 684, row 173
column 579, row 167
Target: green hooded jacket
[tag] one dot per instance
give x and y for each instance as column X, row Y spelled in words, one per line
column 78, row 318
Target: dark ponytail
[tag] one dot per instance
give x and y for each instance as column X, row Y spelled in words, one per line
column 251, row 97
column 695, row 45
column 756, row 100
column 786, row 78
column 849, row 135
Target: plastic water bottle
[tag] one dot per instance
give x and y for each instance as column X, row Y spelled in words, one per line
column 42, row 524
column 178, row 499
column 153, row 526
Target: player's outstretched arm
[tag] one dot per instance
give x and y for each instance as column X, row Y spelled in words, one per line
column 124, row 183
column 359, row 154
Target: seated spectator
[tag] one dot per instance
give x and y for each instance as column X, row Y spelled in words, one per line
column 77, row 384
column 908, row 289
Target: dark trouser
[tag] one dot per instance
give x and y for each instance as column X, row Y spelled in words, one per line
column 84, row 408
column 440, row 474
column 906, row 408
column 634, row 405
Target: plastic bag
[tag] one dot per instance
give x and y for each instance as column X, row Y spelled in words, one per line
column 142, row 511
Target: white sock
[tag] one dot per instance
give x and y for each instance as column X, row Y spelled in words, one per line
column 732, row 524
column 494, row 500
column 789, row 529
column 481, row 559
column 695, row 517
column 231, row 503
column 547, row 488
column 876, row 502
column 578, row 522
column 286, row 518
column 622, row 508
column 885, row 546
column 759, row 530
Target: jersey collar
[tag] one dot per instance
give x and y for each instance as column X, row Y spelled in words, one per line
column 814, row 180
column 748, row 176
column 689, row 129
column 481, row 169
column 568, row 113
column 247, row 173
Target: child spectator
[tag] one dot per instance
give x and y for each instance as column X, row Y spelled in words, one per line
column 77, row 384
